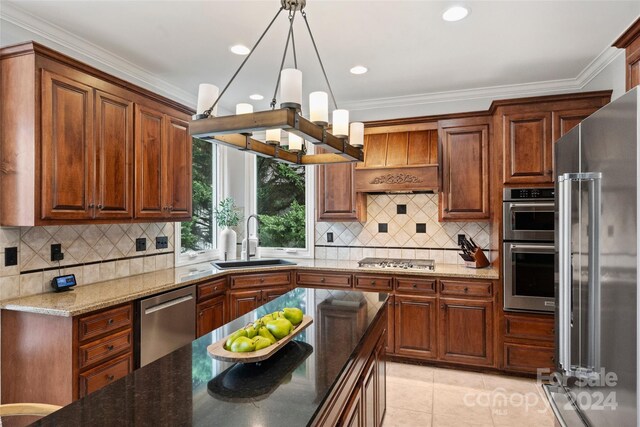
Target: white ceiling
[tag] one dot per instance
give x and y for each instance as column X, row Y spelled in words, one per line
column 409, row 50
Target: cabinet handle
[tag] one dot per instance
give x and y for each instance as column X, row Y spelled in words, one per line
column 91, row 205
column 553, row 359
column 373, row 283
column 110, row 347
column 111, row 377
column 261, row 280
column 110, row 322
column 200, row 314
column 322, row 280
column 466, row 289
column 171, row 207
column 100, row 206
column 442, row 306
column 414, row 285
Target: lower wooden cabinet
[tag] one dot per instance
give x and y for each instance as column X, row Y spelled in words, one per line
column 466, row 331
column 211, row 315
column 324, row 280
column 104, row 374
column 391, row 321
column 353, row 413
column 415, row 326
column 528, row 343
column 243, row 301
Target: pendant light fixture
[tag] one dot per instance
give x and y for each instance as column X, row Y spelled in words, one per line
column 237, row 130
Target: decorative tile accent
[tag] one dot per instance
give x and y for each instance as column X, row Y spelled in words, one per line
column 421, row 228
column 383, row 228
column 401, row 209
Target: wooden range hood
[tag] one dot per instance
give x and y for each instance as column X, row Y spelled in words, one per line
column 399, row 159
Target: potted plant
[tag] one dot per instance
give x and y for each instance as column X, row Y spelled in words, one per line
column 226, row 215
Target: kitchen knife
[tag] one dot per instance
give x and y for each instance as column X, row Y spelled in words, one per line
column 474, row 244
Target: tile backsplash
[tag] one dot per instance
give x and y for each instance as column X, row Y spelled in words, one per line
column 93, row 253
column 390, row 233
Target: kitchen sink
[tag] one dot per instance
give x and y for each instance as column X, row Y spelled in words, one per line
column 224, row 265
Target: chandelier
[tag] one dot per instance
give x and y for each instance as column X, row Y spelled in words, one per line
column 343, row 144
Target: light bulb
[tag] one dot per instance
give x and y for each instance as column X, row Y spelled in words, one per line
column 273, row 136
column 295, row 143
column 291, row 88
column 356, row 134
column 207, row 95
column 244, row 108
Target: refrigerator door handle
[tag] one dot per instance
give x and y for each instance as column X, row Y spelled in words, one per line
column 595, row 211
column 564, row 267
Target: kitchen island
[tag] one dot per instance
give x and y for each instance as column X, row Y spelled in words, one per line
column 332, row 373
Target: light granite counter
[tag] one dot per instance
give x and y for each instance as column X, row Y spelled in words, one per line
column 84, row 299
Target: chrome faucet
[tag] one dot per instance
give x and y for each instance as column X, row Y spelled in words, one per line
column 248, row 249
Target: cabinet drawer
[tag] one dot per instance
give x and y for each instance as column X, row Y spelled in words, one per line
column 527, row 358
column 259, row 280
column 467, row 289
column 324, row 279
column 408, row 284
column 104, row 374
column 103, row 349
column 97, row 324
column 374, row 283
column 516, row 326
column 208, row 290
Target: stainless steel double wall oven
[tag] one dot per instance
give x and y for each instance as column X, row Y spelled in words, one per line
column 528, row 249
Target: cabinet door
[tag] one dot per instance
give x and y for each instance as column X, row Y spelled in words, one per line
column 177, row 194
column 67, row 146
column 113, row 157
column 242, row 302
column 211, row 315
column 270, row 294
column 369, row 394
column 527, row 148
column 149, row 135
column 353, row 413
column 465, row 169
column 381, row 384
column 336, row 194
column 466, row 331
column 391, row 322
column 415, row 328
column 564, row 121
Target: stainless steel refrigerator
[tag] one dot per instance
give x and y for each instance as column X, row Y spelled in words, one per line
column 596, row 246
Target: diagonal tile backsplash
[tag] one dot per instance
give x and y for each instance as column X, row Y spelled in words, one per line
column 402, row 239
column 93, row 253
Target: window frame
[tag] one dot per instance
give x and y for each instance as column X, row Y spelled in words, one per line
column 181, row 259
column 251, row 206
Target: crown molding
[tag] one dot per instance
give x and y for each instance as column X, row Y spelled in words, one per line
column 75, row 46
column 145, row 78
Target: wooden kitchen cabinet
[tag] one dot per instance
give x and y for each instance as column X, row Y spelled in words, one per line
column 528, row 342
column 211, row 315
column 270, row 294
column 336, row 195
column 73, row 145
column 163, row 165
column 630, row 41
column 464, row 144
column 323, row 279
column 415, row 326
column 466, row 331
column 242, row 302
column 250, row 291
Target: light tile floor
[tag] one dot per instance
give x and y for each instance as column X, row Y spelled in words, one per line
column 420, row 396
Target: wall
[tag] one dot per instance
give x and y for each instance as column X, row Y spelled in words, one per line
column 613, row 77
column 93, row 253
column 438, row 241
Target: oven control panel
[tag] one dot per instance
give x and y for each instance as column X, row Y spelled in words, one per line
column 529, row 194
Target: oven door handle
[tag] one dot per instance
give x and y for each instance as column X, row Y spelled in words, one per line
column 515, row 206
column 537, row 248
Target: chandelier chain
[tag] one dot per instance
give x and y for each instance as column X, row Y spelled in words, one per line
column 315, row 47
column 210, row 110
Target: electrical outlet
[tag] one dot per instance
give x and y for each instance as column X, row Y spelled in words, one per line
column 56, row 252
column 10, row 256
column 162, row 242
column 329, row 237
column 141, row 244
column 461, row 238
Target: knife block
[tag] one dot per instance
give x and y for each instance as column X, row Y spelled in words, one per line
column 479, row 260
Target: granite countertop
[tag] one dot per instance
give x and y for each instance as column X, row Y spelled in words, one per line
column 84, row 299
column 187, row 387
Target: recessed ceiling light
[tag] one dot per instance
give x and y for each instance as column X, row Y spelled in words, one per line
column 359, row 69
column 240, row 49
column 256, row 97
column 455, row 13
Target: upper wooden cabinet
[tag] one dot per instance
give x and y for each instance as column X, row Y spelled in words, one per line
column 336, row 196
column 74, row 141
column 527, row 128
column 465, row 168
column 399, row 158
column 630, row 41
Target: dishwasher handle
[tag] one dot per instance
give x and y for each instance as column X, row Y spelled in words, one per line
column 167, row 304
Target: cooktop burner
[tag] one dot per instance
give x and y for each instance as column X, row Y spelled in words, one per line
column 413, row 264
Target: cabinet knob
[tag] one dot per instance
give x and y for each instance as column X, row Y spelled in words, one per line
column 91, row 205
column 414, row 285
column 171, row 207
column 466, row 289
column 201, row 313
column 373, row 283
column 553, row 359
column 100, row 206
column 110, row 347
column 110, row 322
column 322, row 280
column 111, row 377
column 442, row 306
column 262, row 280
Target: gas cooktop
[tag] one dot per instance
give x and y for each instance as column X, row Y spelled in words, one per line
column 406, row 264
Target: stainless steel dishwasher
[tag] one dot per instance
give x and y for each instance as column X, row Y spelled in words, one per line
column 167, row 322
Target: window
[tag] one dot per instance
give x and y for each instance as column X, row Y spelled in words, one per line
column 196, row 239
column 284, row 204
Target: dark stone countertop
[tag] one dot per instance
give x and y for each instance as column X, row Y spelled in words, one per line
column 188, row 387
